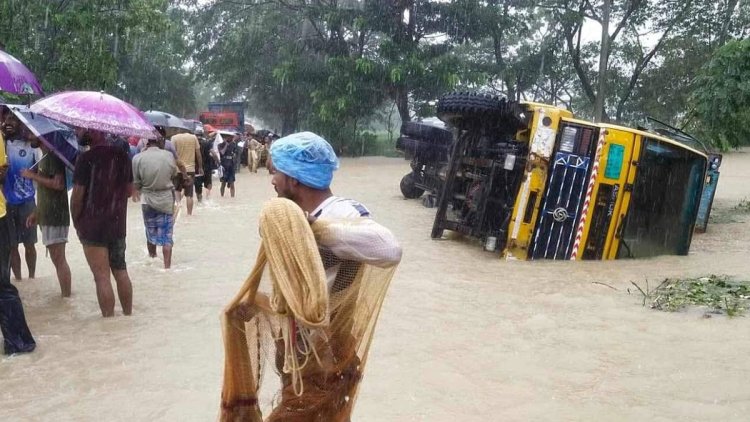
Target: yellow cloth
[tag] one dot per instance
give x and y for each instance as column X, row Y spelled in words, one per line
column 3, row 162
column 316, row 337
column 186, row 145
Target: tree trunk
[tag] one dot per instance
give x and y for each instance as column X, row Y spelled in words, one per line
column 402, row 102
column 726, row 21
column 601, row 94
column 289, row 123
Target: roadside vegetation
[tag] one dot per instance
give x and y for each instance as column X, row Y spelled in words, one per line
column 713, row 294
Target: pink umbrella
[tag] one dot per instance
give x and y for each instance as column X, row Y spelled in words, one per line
column 15, row 77
column 95, row 110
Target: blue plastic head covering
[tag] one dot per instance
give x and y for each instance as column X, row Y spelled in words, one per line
column 306, row 157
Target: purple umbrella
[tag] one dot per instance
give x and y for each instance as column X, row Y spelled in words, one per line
column 16, row 78
column 95, row 110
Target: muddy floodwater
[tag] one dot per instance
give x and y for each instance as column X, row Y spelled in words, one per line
column 463, row 335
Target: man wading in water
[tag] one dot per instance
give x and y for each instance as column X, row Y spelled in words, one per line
column 320, row 361
column 102, row 184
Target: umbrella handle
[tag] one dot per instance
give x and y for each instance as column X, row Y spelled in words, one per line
column 38, row 161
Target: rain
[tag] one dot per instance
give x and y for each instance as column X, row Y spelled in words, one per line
column 267, row 210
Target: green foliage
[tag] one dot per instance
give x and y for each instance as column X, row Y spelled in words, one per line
column 122, row 47
column 743, row 206
column 335, row 66
column 719, row 294
column 722, row 96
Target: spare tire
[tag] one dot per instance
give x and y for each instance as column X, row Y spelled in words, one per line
column 408, row 187
column 469, row 110
column 427, row 132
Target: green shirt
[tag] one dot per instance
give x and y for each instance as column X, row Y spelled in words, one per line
column 52, row 205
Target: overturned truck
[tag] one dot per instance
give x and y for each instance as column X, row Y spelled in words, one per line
column 532, row 182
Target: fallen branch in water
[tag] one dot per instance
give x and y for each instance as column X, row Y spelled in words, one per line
column 605, row 285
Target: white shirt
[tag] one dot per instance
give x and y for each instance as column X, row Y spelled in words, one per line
column 336, row 207
column 353, row 236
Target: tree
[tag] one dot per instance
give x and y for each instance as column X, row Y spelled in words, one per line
column 664, row 87
column 89, row 45
column 506, row 32
column 254, row 51
column 722, row 96
column 633, row 33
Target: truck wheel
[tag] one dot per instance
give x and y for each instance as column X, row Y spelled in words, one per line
column 469, row 110
column 408, row 187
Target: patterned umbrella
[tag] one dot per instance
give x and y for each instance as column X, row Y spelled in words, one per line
column 59, row 138
column 95, row 110
column 16, row 78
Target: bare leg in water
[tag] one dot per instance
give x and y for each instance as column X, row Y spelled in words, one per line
column 189, row 202
column 15, row 260
column 98, row 259
column 151, row 249
column 57, row 254
column 124, row 290
column 30, row 250
column 167, row 251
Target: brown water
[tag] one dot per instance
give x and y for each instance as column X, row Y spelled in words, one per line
column 463, row 336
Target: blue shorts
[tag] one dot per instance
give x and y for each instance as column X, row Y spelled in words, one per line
column 159, row 226
column 228, row 176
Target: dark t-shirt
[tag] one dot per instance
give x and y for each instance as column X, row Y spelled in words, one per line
column 52, row 205
column 228, row 156
column 106, row 174
column 208, row 160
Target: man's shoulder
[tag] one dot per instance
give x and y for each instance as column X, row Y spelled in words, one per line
column 164, row 154
column 337, row 207
column 184, row 138
column 104, row 152
column 17, row 144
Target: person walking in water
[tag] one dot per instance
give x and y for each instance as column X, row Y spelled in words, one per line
column 20, row 194
column 323, row 301
column 210, row 163
column 189, row 153
column 254, row 149
column 102, row 184
column 52, row 213
column 153, row 171
column 17, row 337
column 228, row 151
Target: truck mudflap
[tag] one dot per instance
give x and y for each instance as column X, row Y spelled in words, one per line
column 709, row 191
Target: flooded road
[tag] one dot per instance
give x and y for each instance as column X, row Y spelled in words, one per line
column 463, row 336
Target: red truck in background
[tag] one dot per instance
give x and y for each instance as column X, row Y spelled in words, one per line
column 225, row 116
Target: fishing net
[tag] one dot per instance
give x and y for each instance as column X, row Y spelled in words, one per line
column 306, row 314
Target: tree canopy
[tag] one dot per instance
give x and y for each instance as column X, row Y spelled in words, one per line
column 339, row 66
column 722, row 95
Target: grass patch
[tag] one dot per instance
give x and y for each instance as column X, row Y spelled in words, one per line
column 731, row 214
column 719, row 294
column 743, row 206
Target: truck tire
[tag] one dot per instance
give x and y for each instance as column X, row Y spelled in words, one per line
column 409, row 188
column 427, row 132
column 471, row 110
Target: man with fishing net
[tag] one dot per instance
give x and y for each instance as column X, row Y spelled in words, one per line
column 309, row 308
